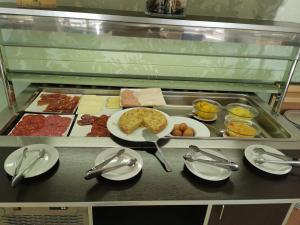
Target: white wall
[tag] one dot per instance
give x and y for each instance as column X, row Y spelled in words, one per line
column 289, row 11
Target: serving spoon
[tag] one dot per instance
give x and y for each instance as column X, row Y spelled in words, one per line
column 151, row 137
column 261, row 160
column 261, row 151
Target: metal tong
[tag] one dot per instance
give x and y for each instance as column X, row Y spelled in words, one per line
column 19, row 163
column 98, row 169
column 261, row 151
column 262, row 160
column 284, row 159
column 20, row 175
column 217, row 161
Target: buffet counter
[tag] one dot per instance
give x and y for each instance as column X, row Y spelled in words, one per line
column 249, row 188
column 64, row 185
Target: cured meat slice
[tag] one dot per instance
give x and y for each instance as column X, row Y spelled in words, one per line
column 99, row 124
column 101, row 121
column 41, row 125
column 128, row 98
column 56, row 102
column 98, row 132
column 86, row 120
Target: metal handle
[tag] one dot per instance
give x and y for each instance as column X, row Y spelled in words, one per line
column 95, row 173
column 17, row 179
column 296, row 163
column 17, row 169
column 287, row 80
column 162, row 158
column 105, row 162
column 230, row 165
column 283, row 157
column 221, row 213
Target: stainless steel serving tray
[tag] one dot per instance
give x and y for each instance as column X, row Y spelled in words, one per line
column 275, row 128
column 179, row 104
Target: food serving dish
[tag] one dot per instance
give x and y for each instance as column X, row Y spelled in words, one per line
column 136, row 135
column 242, row 111
column 240, row 128
column 206, row 109
column 47, row 102
column 206, row 171
column 272, row 168
column 122, row 173
column 40, row 167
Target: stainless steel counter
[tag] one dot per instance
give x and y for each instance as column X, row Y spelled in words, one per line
column 278, row 132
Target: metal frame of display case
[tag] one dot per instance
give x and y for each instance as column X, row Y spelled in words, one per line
column 245, row 32
column 62, row 20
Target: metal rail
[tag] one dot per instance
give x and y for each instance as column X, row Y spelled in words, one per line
column 8, row 88
column 261, row 25
column 281, row 96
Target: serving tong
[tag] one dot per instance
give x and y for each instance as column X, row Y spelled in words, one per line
column 19, row 163
column 216, row 160
column 284, row 159
column 99, row 169
column 18, row 176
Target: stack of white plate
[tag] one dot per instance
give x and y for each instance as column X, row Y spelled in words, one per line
column 293, row 116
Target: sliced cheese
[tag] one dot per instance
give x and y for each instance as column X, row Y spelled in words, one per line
column 91, row 104
column 113, row 102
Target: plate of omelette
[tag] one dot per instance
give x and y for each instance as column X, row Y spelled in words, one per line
column 129, row 124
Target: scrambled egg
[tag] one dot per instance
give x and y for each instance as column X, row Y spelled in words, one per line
column 205, row 115
column 206, row 110
column 241, row 112
column 206, row 107
column 240, row 129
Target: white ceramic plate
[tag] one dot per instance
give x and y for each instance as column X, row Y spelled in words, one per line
column 205, row 171
column 34, row 107
column 206, row 120
column 137, row 135
column 272, row 168
column 200, row 129
column 122, row 173
column 40, row 167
